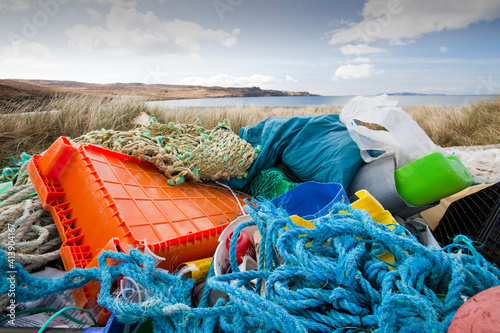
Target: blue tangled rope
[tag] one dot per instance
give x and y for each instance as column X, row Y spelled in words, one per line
column 331, row 279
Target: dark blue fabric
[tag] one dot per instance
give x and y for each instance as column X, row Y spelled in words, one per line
column 315, row 148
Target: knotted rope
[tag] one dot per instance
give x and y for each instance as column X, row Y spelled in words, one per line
column 181, row 151
column 331, row 279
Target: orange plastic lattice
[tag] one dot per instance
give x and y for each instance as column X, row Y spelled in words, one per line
column 103, row 200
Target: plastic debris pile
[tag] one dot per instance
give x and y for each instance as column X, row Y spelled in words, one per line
column 304, row 257
column 330, row 279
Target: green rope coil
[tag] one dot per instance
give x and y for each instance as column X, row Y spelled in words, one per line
column 269, row 184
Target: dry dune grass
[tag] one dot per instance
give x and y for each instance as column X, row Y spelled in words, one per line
column 477, row 124
column 34, row 129
column 238, row 116
column 468, row 125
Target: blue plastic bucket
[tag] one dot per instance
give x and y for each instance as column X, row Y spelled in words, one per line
column 311, row 200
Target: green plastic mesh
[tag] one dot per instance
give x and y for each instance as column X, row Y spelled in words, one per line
column 269, row 184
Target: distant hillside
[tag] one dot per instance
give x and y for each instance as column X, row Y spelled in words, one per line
column 148, row 91
column 13, row 93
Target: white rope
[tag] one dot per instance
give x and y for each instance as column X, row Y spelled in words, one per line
column 36, row 238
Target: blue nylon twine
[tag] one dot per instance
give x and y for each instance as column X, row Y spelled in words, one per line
column 326, row 279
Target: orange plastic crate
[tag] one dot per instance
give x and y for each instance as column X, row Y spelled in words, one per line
column 104, row 200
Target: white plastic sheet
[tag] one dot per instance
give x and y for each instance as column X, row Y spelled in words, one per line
column 404, row 136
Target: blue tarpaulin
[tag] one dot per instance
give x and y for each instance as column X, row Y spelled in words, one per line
column 315, row 148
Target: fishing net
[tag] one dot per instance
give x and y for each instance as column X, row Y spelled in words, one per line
column 181, row 151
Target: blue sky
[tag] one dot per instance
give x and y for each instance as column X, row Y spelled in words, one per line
column 325, row 47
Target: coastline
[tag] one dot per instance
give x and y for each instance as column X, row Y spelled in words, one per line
column 10, row 88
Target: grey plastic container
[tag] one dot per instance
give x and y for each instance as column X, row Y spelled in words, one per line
column 377, row 177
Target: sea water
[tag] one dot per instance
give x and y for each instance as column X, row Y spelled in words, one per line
column 291, row 101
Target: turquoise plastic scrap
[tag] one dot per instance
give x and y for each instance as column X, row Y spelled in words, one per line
column 5, row 186
column 7, row 171
column 24, row 158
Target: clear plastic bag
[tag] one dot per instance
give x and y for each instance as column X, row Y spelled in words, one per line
column 404, row 136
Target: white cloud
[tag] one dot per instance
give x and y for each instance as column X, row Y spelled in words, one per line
column 360, row 59
column 355, row 72
column 14, row 5
column 443, row 49
column 94, row 14
column 360, row 49
column 225, row 80
column 129, row 31
column 29, row 54
column 289, row 78
column 403, row 21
